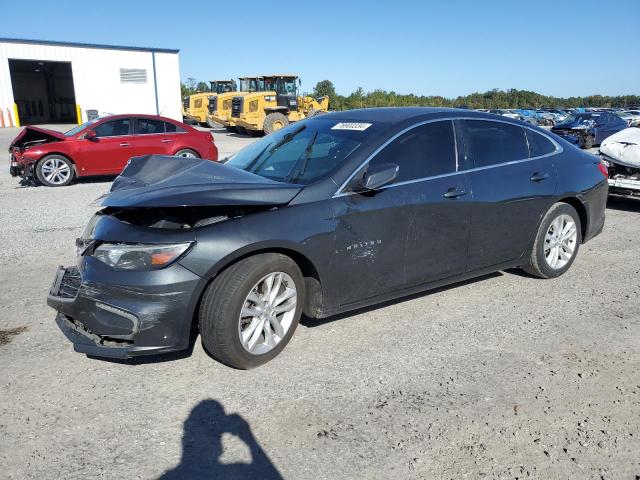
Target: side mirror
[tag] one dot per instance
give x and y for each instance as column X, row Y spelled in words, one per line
column 91, row 136
column 378, row 176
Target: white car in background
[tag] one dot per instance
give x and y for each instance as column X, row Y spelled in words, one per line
column 505, row 113
column 632, row 117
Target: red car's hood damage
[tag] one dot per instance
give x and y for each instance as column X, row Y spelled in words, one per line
column 160, row 181
column 30, row 136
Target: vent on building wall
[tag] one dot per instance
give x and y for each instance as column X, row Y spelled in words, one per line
column 133, row 75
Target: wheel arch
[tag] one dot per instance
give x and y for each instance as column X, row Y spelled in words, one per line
column 581, row 208
column 65, row 155
column 312, row 278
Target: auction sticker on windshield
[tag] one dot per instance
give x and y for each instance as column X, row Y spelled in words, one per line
column 351, row 126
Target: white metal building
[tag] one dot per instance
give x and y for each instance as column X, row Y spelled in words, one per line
column 59, row 82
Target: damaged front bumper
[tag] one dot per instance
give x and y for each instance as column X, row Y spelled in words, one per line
column 102, row 317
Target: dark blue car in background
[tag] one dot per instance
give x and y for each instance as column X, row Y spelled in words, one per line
column 590, row 128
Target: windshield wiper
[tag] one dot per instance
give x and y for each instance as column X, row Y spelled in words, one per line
column 302, row 161
column 287, row 138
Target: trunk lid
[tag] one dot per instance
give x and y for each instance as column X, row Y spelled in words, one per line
column 161, row 181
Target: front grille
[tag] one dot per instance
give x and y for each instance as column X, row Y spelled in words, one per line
column 213, row 104
column 236, row 106
column 70, row 284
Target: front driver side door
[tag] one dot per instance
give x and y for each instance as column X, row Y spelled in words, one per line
column 107, row 153
column 406, row 233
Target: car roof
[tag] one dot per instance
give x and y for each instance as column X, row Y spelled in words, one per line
column 139, row 115
column 394, row 114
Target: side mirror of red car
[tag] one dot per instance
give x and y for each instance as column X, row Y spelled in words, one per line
column 91, row 135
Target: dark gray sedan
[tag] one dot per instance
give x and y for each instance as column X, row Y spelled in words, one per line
column 334, row 213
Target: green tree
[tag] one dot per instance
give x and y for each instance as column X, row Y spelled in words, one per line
column 202, row 87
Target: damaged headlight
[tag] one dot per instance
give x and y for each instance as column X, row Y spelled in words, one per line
column 139, row 256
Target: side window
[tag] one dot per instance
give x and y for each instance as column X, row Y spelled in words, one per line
column 114, row 128
column 148, row 126
column 172, row 128
column 421, row 152
column 492, row 143
column 538, row 144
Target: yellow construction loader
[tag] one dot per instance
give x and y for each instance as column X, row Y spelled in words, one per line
column 220, row 106
column 196, row 106
column 275, row 107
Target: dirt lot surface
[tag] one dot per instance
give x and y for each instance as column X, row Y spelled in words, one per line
column 501, row 377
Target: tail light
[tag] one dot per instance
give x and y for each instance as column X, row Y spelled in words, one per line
column 602, row 166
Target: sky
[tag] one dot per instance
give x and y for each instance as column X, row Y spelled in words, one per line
column 448, row 47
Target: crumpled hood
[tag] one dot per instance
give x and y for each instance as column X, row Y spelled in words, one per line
column 162, row 181
column 32, row 135
column 584, row 125
column 623, row 147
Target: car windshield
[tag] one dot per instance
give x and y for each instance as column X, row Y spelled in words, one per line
column 305, row 152
column 79, row 128
column 580, row 118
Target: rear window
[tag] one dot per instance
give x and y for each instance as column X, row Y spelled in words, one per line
column 538, row 144
column 492, row 143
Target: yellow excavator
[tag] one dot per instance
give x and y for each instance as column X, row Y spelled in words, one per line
column 274, row 108
column 196, row 106
column 220, row 106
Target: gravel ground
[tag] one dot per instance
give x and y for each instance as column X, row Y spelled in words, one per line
column 501, row 377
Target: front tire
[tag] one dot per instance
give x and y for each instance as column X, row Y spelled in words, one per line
column 55, row 171
column 250, row 311
column 557, row 242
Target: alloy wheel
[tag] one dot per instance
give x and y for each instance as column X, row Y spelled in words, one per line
column 56, row 171
column 560, row 241
column 267, row 313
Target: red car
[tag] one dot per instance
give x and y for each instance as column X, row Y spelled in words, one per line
column 103, row 146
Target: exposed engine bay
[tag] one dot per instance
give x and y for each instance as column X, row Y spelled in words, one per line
column 621, row 152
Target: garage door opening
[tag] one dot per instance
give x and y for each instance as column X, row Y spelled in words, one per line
column 43, row 91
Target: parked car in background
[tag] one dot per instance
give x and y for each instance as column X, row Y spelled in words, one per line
column 589, row 128
column 631, row 117
column 334, row 213
column 102, row 147
column 503, row 112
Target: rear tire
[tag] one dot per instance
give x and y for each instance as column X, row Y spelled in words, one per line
column 187, row 153
column 55, row 171
column 225, row 300
column 275, row 121
column 550, row 256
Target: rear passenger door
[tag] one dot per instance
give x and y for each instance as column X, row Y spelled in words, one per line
column 151, row 137
column 513, row 179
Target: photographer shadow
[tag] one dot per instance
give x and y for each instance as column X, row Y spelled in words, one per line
column 202, row 448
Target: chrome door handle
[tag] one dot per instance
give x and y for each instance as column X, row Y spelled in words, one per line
column 539, row 177
column 166, row 141
column 454, row 193
column 124, row 144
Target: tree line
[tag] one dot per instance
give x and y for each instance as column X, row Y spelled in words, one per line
column 495, row 98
